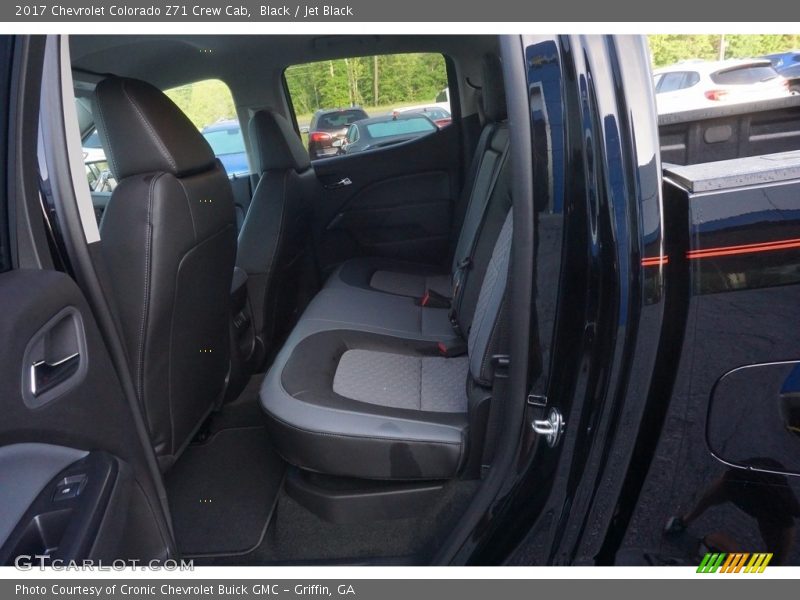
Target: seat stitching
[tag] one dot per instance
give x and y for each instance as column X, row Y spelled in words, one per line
column 159, row 143
column 189, row 206
column 111, row 155
column 146, row 286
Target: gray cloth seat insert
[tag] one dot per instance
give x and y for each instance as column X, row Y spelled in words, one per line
column 430, row 383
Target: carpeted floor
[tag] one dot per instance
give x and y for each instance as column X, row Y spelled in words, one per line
column 222, row 492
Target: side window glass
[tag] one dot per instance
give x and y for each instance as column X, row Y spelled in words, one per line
column 209, row 105
column 374, row 91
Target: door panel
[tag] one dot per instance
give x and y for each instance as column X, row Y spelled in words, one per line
column 78, row 435
column 399, row 202
column 30, row 467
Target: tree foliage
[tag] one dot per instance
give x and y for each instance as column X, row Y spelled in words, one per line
column 204, row 102
column 671, row 48
column 397, row 78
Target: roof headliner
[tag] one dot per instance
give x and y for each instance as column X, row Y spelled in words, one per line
column 230, row 57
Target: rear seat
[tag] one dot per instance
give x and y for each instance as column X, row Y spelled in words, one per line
column 413, row 279
column 352, row 402
column 425, row 301
column 372, row 384
column 380, row 312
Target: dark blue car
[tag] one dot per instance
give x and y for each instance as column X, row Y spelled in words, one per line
column 787, row 64
column 225, row 139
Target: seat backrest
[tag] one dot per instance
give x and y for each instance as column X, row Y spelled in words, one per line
column 274, row 239
column 487, row 197
column 169, row 242
column 487, row 333
column 488, row 158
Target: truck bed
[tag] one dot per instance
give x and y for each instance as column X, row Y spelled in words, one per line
column 733, row 131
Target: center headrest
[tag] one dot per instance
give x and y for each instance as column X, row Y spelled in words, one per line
column 275, row 143
column 143, row 131
column 493, row 92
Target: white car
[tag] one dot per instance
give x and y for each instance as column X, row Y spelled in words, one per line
column 698, row 84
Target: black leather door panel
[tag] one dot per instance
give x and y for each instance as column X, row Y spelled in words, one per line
column 89, row 415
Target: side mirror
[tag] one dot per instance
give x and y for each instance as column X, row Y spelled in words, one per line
column 338, row 143
column 304, row 129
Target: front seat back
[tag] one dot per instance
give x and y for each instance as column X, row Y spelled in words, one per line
column 274, row 238
column 169, row 243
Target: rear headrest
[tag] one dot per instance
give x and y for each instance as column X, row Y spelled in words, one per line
column 275, row 143
column 143, row 131
column 493, row 92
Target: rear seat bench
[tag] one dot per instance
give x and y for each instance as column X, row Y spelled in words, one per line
column 346, row 400
column 372, row 383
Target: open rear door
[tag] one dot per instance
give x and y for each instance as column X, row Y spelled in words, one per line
column 77, row 480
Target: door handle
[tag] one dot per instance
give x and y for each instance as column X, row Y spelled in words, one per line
column 56, row 359
column 47, row 375
column 343, row 182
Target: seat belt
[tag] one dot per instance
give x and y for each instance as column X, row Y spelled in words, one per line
column 465, row 264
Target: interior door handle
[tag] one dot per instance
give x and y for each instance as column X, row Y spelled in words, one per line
column 56, row 359
column 47, row 375
column 343, row 182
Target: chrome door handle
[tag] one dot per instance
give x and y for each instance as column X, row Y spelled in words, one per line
column 47, row 375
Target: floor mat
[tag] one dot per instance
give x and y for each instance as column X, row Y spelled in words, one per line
column 222, row 492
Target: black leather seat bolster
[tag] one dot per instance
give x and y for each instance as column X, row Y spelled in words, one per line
column 317, row 429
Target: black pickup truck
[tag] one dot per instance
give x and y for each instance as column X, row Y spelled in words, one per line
column 559, row 331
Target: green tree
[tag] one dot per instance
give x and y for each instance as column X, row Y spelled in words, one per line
column 204, row 102
column 671, row 48
column 401, row 79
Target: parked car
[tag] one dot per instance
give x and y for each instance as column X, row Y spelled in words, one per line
column 328, row 126
column 787, row 64
column 696, row 84
column 437, row 114
column 379, row 132
column 225, row 139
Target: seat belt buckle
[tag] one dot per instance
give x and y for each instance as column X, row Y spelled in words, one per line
column 433, row 299
column 452, row 349
column 500, row 365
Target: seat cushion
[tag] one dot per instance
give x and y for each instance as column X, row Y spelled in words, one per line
column 323, row 415
column 365, row 310
column 391, row 276
column 431, row 383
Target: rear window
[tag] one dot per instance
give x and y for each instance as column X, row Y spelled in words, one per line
column 745, row 74
column 340, row 119
column 400, row 127
column 678, row 80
